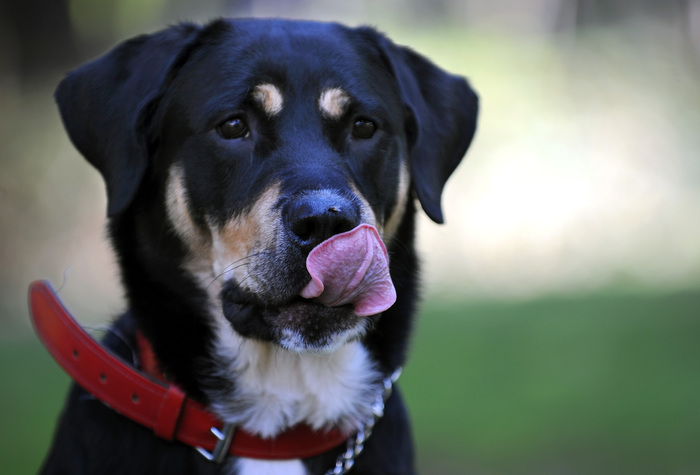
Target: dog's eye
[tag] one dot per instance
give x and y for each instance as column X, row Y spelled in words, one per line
column 234, row 128
column 363, row 129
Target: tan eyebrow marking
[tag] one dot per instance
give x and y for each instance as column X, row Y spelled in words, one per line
column 333, row 102
column 269, row 97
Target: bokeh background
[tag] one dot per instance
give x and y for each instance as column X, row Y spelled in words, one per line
column 561, row 327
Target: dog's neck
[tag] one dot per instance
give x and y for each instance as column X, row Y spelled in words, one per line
column 276, row 388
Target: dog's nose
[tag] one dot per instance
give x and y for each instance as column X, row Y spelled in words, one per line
column 316, row 216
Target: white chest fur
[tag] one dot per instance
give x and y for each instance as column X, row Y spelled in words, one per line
column 263, row 467
column 276, row 388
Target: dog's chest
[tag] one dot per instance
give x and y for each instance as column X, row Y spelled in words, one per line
column 276, row 389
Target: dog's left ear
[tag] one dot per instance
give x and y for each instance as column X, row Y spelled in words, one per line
column 442, row 116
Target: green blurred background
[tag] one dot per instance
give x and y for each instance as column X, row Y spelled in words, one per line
column 561, row 326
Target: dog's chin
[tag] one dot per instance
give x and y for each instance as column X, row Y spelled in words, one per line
column 316, row 339
column 297, row 324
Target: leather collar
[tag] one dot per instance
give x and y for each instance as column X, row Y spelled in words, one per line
column 161, row 407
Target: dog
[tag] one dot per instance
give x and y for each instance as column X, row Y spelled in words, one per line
column 263, row 178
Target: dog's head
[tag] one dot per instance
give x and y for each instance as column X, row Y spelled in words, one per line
column 247, row 143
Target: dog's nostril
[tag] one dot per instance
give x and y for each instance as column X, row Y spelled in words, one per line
column 313, row 230
column 303, row 229
column 315, row 217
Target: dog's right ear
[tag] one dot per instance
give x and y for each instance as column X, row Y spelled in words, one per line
column 105, row 105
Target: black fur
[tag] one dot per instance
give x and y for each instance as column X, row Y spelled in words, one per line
column 155, row 102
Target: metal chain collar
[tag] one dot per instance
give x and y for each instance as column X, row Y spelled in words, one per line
column 356, row 444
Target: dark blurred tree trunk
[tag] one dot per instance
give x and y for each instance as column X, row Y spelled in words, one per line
column 428, row 12
column 582, row 14
column 41, row 35
column 607, row 12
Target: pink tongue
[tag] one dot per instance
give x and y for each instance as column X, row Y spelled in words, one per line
column 351, row 268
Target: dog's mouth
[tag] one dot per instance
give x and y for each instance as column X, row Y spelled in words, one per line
column 348, row 282
column 298, row 325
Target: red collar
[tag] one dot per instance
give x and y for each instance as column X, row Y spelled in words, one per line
column 158, row 406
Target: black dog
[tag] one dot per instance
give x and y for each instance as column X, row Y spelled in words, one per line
column 252, row 166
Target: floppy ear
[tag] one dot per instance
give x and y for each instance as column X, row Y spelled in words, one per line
column 104, row 105
column 442, row 120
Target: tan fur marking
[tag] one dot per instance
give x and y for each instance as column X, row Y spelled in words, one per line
column 179, row 215
column 243, row 236
column 197, row 240
column 333, row 102
column 392, row 224
column 269, row 97
column 367, row 215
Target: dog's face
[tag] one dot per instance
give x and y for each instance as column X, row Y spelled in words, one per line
column 252, row 142
column 270, row 148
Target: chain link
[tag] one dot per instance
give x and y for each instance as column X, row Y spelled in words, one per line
column 356, row 444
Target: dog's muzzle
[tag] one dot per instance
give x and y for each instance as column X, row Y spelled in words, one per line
column 331, row 272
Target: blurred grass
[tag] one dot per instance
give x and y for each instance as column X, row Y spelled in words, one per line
column 33, row 392
column 597, row 384
column 601, row 384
